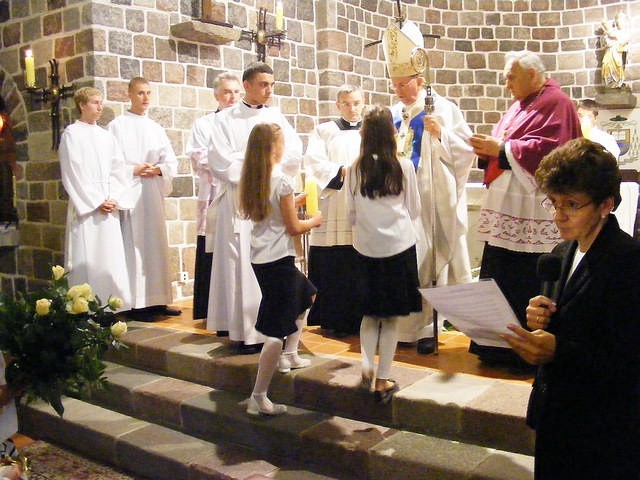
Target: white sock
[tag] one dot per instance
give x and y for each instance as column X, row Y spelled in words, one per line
column 293, row 340
column 267, row 365
column 263, row 402
column 388, row 344
column 369, row 333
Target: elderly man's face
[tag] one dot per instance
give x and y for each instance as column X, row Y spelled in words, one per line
column 350, row 106
column 407, row 88
column 228, row 93
column 519, row 81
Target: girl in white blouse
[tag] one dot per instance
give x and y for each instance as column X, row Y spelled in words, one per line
column 266, row 198
column 383, row 200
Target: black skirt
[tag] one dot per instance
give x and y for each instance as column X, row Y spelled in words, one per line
column 391, row 284
column 286, row 293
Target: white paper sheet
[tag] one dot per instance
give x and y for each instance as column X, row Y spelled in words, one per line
column 478, row 309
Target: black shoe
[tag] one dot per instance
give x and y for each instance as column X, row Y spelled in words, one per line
column 249, row 349
column 222, row 333
column 164, row 310
column 426, row 346
column 384, row 396
column 141, row 315
column 172, row 312
column 340, row 334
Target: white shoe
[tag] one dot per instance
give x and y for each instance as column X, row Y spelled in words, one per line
column 289, row 361
column 254, row 408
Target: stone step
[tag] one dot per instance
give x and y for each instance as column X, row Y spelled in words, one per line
column 175, row 429
column 152, row 451
column 477, row 410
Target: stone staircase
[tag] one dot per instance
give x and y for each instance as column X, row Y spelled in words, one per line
column 175, row 409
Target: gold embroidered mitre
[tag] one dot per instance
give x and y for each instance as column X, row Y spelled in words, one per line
column 399, row 47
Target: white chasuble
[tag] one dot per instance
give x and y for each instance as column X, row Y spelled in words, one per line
column 449, row 159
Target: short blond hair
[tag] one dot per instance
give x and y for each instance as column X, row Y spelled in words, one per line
column 135, row 81
column 82, row 96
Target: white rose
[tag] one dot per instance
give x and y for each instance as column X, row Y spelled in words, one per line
column 42, row 306
column 57, row 272
column 73, row 292
column 83, row 290
column 118, row 329
column 86, row 291
column 80, row 305
column 115, row 303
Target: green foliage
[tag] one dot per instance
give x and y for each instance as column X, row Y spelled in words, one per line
column 56, row 349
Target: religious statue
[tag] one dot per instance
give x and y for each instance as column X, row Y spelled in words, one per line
column 616, row 35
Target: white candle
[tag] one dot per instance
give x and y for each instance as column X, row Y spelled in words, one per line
column 29, row 68
column 279, row 17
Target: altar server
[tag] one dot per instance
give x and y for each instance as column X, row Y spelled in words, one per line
column 227, row 92
column 150, row 165
column 234, row 295
column 333, row 147
column 92, row 170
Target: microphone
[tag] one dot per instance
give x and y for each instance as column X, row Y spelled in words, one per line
column 429, row 105
column 548, row 272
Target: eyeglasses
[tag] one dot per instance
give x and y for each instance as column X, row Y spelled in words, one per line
column 570, row 208
column 350, row 105
column 396, row 86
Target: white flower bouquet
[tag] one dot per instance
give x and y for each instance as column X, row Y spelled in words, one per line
column 54, row 340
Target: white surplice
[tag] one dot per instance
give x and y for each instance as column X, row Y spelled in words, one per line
column 329, row 148
column 92, row 169
column 145, row 234
column 197, row 150
column 234, row 295
column 452, row 157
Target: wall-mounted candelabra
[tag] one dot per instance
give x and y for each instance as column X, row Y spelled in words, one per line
column 263, row 38
column 51, row 94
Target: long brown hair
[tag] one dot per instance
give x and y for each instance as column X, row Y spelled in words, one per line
column 377, row 169
column 255, row 181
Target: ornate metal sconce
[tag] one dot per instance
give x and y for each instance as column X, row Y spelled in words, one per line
column 261, row 37
column 52, row 95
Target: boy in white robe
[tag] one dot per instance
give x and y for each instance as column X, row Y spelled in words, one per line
column 150, row 165
column 234, row 296
column 91, row 165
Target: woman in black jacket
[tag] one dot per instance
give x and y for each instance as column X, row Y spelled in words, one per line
column 585, row 404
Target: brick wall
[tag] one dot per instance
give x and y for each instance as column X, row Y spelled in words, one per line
column 104, row 43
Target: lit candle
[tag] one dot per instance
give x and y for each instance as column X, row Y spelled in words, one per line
column 279, row 17
column 311, row 189
column 29, row 68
